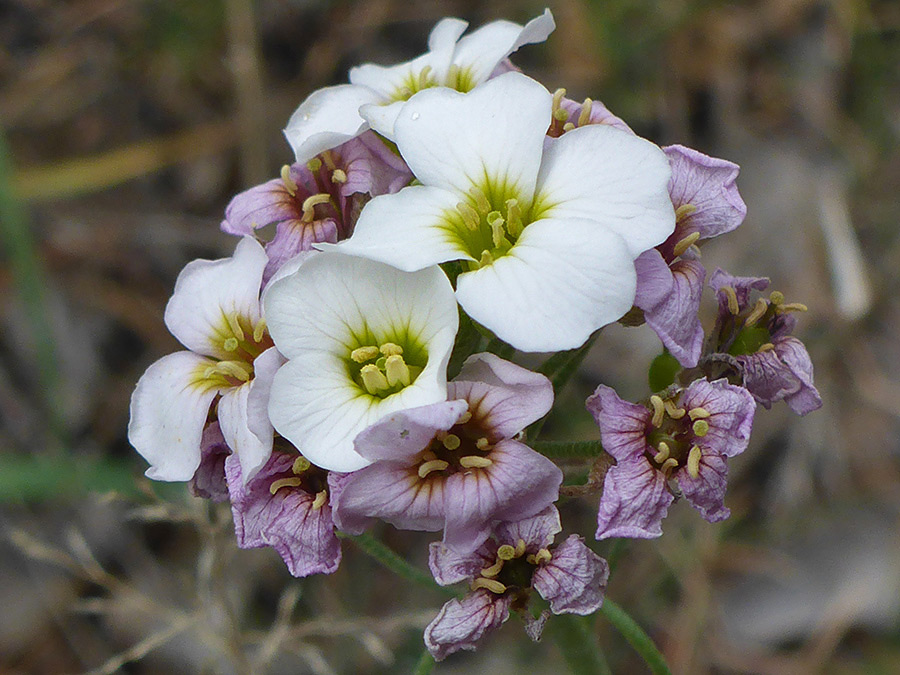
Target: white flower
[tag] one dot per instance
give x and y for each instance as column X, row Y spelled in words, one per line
column 363, row 340
column 215, row 313
column 547, row 228
column 331, row 116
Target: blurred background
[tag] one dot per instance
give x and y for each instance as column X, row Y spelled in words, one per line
column 128, row 126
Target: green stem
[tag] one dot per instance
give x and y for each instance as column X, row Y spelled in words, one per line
column 578, row 644
column 568, row 449
column 394, row 562
column 425, row 664
column 636, row 637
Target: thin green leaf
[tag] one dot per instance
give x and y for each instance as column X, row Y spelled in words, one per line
column 568, row 449
column 636, row 637
column 425, row 664
column 39, row 479
column 576, row 640
column 561, row 366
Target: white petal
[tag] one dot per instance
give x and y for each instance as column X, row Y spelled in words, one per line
column 206, row 290
column 251, row 450
column 332, row 296
column 407, row 230
column 327, row 118
column 168, row 413
column 264, row 368
column 481, row 51
column 443, row 37
column 615, row 178
column 562, row 280
column 494, row 133
column 381, row 118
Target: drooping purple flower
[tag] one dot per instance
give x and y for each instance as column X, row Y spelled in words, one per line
column 519, row 557
column 318, row 201
column 773, row 365
column 670, row 277
column 456, row 465
column 209, row 478
column 686, row 437
column 286, row 506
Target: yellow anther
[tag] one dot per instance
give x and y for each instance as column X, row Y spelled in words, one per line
column 541, row 556
column 731, row 296
column 776, row 298
column 482, row 443
column 230, row 345
column 469, row 215
column 668, row 465
column 451, row 441
column 684, row 211
column 300, row 465
column 363, row 354
column 701, row 428
column 698, row 413
column 289, row 183
column 493, row 570
column 310, row 203
column 558, row 97
column 495, row 217
column 568, row 126
column 424, row 76
column 767, row 347
column 498, row 234
column 259, row 330
column 663, row 453
column 791, row 307
column 492, row 585
column 506, row 552
column 481, row 200
column 390, row 349
column 320, row 500
column 584, row 117
column 338, row 176
column 486, row 259
column 560, row 114
column 428, row 455
column 514, row 217
column 236, row 369
column 686, row 243
column 520, row 548
column 373, row 379
column 693, row 462
column 284, row 482
column 758, row 312
column 464, row 417
column 314, row 164
column 673, row 411
column 426, row 468
column 328, row 158
column 659, row 410
column 235, row 326
column 474, row 462
column 397, row 371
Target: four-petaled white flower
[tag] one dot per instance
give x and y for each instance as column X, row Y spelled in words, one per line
column 331, row 116
column 215, row 313
column 363, row 340
column 547, row 228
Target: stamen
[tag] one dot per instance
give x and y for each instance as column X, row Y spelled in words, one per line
column 731, row 295
column 776, row 298
column 514, row 217
column 568, row 126
column 493, row 570
column 363, row 354
column 492, row 585
column 495, row 217
column 390, row 349
column 451, row 441
column 506, row 552
column 482, row 443
column 338, row 176
column 698, row 413
column 453, row 76
column 557, row 98
column 236, row 369
column 701, row 428
column 668, row 465
column 757, row 313
column 767, row 347
column 543, row 555
column 328, row 158
column 300, row 465
column 465, row 417
column 486, row 259
column 663, row 453
column 791, row 307
column 235, row 326
column 498, row 234
column 314, row 164
column 423, row 77
column 284, row 482
column 693, row 463
column 428, row 455
column 684, row 211
column 230, row 345
column 397, row 371
column 434, row 465
column 320, row 500
column 686, row 243
column 289, row 183
column 474, row 462
column 310, row 203
column 585, row 116
column 469, row 215
column 674, row 412
column 520, row 548
column 373, row 379
column 259, row 330
column 481, row 200
column 659, row 410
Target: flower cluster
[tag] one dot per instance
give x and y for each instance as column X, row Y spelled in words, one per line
column 436, row 213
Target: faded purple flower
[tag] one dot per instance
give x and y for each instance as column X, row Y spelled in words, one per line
column 456, row 465
column 772, row 364
column 569, row 114
column 286, row 506
column 319, row 201
column 209, row 478
column 519, row 557
column 670, row 277
column 686, row 437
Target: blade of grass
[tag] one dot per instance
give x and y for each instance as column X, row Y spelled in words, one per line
column 636, row 637
column 578, row 644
